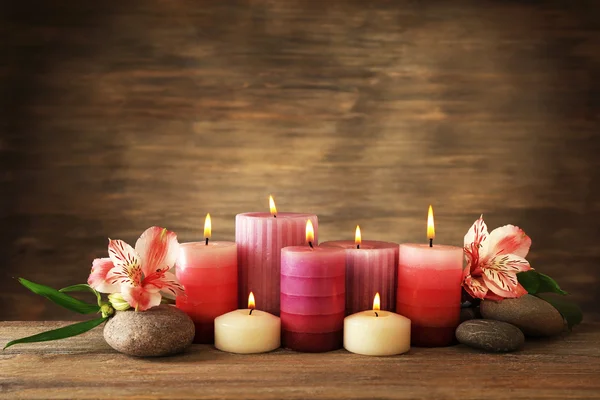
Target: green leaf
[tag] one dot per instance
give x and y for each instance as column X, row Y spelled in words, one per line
column 63, row 300
column 569, row 310
column 534, row 283
column 83, row 287
column 60, row 333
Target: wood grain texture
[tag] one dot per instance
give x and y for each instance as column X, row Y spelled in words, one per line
column 85, row 367
column 119, row 115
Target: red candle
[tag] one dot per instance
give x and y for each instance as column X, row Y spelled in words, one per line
column 312, row 297
column 429, row 290
column 208, row 271
column 371, row 267
column 260, row 236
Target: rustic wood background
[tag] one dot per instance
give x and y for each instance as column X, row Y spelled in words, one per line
column 119, row 115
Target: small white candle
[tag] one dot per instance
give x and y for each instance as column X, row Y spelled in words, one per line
column 247, row 331
column 376, row 332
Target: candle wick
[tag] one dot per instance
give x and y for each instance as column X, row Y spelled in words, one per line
column 377, row 315
column 274, row 215
column 431, row 242
column 252, row 309
column 358, row 246
column 310, row 244
column 206, row 243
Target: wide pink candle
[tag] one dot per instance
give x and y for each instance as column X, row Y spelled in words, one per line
column 370, row 269
column 429, row 292
column 260, row 238
column 312, row 298
column 210, row 278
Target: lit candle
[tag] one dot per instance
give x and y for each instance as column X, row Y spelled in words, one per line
column 370, row 266
column 312, row 296
column 247, row 331
column 260, row 238
column 208, row 271
column 429, row 290
column 376, row 332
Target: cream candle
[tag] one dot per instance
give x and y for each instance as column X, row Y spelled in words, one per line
column 247, row 331
column 429, row 289
column 371, row 266
column 208, row 272
column 260, row 238
column 376, row 332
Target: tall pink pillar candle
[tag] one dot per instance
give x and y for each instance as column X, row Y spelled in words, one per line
column 370, row 269
column 429, row 292
column 312, row 298
column 260, row 238
column 210, row 278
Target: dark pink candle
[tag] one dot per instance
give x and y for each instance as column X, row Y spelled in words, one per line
column 209, row 275
column 260, row 238
column 312, row 298
column 370, row 269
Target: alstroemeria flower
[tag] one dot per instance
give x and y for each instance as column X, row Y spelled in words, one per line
column 493, row 261
column 139, row 274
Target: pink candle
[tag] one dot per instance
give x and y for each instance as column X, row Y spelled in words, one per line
column 209, row 274
column 371, row 267
column 312, row 298
column 260, row 238
column 429, row 290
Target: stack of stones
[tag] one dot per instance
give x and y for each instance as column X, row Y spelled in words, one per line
column 504, row 324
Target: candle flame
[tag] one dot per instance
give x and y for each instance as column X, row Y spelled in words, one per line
column 310, row 232
column 377, row 302
column 207, row 226
column 251, row 302
column 430, row 225
column 357, row 236
column 272, row 206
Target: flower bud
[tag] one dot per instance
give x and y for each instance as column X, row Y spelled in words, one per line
column 106, row 310
column 118, row 302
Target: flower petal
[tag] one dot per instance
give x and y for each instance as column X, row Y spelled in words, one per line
column 140, row 298
column 502, row 283
column 475, row 287
column 158, row 248
column 165, row 282
column 475, row 245
column 127, row 268
column 507, row 263
column 477, row 234
column 509, row 239
column 98, row 277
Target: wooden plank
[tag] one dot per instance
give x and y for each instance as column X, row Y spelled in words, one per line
column 85, row 367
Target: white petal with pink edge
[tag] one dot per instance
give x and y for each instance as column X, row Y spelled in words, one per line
column 165, row 282
column 502, row 283
column 509, row 239
column 98, row 276
column 158, row 248
column 507, row 263
column 141, row 298
column 475, row 287
column 127, row 270
column 477, row 234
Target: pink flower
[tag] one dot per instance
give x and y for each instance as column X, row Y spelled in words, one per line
column 139, row 274
column 493, row 261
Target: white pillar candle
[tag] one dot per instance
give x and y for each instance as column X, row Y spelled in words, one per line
column 247, row 331
column 376, row 332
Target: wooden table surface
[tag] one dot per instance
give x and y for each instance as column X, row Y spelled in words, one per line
column 86, row 367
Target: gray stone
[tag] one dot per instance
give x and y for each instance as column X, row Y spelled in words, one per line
column 489, row 335
column 159, row 331
column 532, row 315
column 468, row 313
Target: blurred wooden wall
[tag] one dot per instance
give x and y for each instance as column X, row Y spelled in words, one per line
column 119, row 115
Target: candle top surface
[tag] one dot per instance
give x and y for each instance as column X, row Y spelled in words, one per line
column 202, row 246
column 425, row 246
column 243, row 316
column 315, row 249
column 370, row 315
column 365, row 245
column 286, row 215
